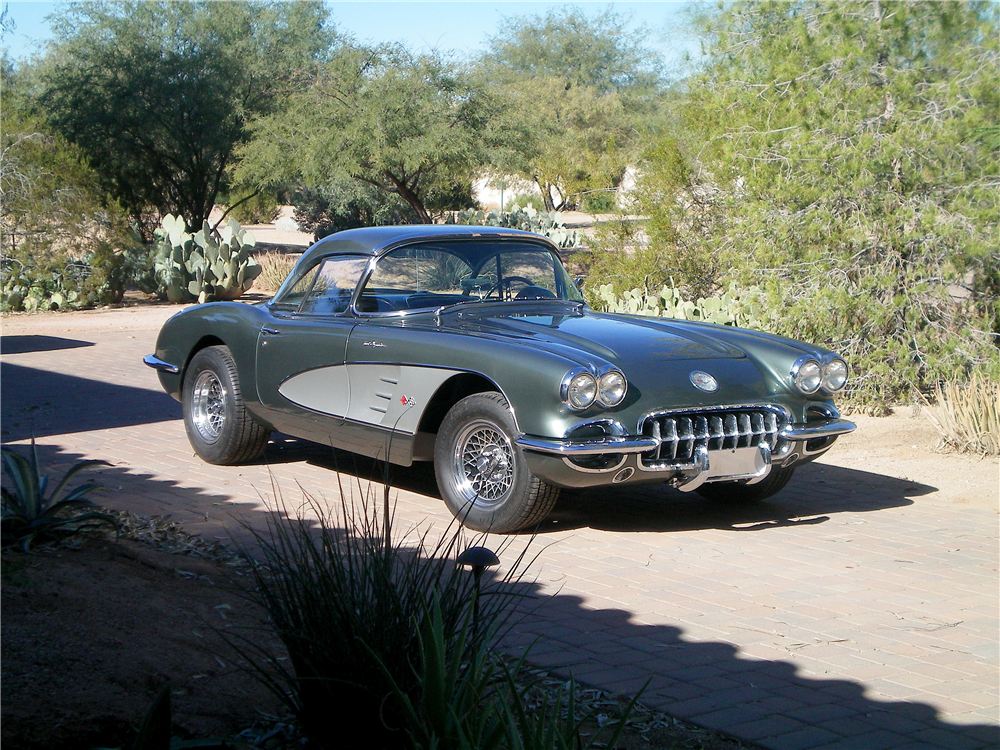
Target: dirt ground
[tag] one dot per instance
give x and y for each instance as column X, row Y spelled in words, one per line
column 91, row 635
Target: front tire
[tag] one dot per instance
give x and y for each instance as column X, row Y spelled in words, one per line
column 481, row 472
column 219, row 427
column 744, row 494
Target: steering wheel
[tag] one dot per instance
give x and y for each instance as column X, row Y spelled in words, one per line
column 535, row 292
column 506, row 282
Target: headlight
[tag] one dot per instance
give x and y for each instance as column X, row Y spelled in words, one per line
column 580, row 390
column 835, row 375
column 611, row 388
column 807, row 374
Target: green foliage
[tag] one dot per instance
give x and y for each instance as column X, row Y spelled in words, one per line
column 454, row 705
column 61, row 242
column 259, row 207
column 100, row 277
column 410, row 126
column 600, row 51
column 31, row 515
column 348, row 204
column 583, row 90
column 734, row 308
column 839, row 159
column 549, row 224
column 203, row 267
column 157, row 94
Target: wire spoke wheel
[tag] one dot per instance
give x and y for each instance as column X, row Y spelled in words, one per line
column 208, row 406
column 483, row 476
column 484, row 463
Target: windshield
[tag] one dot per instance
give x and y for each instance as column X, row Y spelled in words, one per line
column 433, row 275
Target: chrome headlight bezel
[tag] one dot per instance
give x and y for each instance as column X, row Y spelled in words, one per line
column 810, row 374
column 576, row 383
column 611, row 388
column 807, row 375
column 835, row 374
column 582, row 389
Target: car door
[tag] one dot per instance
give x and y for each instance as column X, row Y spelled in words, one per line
column 302, row 380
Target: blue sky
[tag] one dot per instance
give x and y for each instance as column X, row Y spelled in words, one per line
column 462, row 27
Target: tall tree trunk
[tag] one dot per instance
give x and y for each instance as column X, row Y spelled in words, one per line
column 411, row 197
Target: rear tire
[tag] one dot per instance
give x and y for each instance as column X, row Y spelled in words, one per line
column 481, row 472
column 219, row 427
column 741, row 494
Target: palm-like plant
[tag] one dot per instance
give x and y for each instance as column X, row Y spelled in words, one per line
column 30, row 516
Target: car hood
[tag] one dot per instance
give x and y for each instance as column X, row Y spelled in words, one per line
column 571, row 331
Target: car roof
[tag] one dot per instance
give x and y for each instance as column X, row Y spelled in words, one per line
column 374, row 240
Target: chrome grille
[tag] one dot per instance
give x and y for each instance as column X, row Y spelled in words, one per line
column 680, row 433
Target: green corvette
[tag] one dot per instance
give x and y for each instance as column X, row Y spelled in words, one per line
column 471, row 347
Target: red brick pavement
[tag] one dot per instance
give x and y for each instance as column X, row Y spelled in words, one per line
column 851, row 611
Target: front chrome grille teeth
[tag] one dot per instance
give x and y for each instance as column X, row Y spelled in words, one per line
column 681, row 434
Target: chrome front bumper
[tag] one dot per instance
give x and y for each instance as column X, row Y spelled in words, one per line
column 156, row 363
column 625, row 445
column 743, row 464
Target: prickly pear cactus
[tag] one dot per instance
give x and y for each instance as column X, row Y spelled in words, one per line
column 548, row 224
column 204, row 267
column 732, row 308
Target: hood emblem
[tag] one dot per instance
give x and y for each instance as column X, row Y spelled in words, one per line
column 704, row 382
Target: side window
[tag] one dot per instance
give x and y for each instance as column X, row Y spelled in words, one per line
column 333, row 285
column 294, row 295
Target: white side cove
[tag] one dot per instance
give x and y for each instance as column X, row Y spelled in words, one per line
column 386, row 395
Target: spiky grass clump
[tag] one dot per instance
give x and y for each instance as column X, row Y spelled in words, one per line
column 967, row 415
column 275, row 268
column 348, row 598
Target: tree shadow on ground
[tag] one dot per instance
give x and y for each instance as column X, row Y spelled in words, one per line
column 767, row 702
column 36, row 343
column 39, row 403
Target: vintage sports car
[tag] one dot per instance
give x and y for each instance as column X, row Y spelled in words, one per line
column 471, row 347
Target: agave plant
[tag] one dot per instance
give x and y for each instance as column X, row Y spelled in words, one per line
column 31, row 516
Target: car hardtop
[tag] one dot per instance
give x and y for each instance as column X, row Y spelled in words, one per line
column 375, row 241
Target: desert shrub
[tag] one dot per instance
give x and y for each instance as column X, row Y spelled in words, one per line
column 274, row 269
column 349, row 599
column 259, row 208
column 733, row 308
column 32, row 515
column 203, row 267
column 967, row 415
column 348, row 204
column 600, row 201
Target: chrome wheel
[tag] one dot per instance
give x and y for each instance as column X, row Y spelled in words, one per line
column 208, row 406
column 484, row 478
column 483, row 462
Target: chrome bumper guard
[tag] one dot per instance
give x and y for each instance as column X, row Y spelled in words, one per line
column 156, row 363
column 826, row 428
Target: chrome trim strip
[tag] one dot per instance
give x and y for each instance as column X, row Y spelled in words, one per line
column 156, row 363
column 814, row 430
column 587, row 447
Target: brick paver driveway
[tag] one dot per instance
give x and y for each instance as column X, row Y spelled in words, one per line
column 853, row 610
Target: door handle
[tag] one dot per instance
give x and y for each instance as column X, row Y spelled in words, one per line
column 270, row 331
